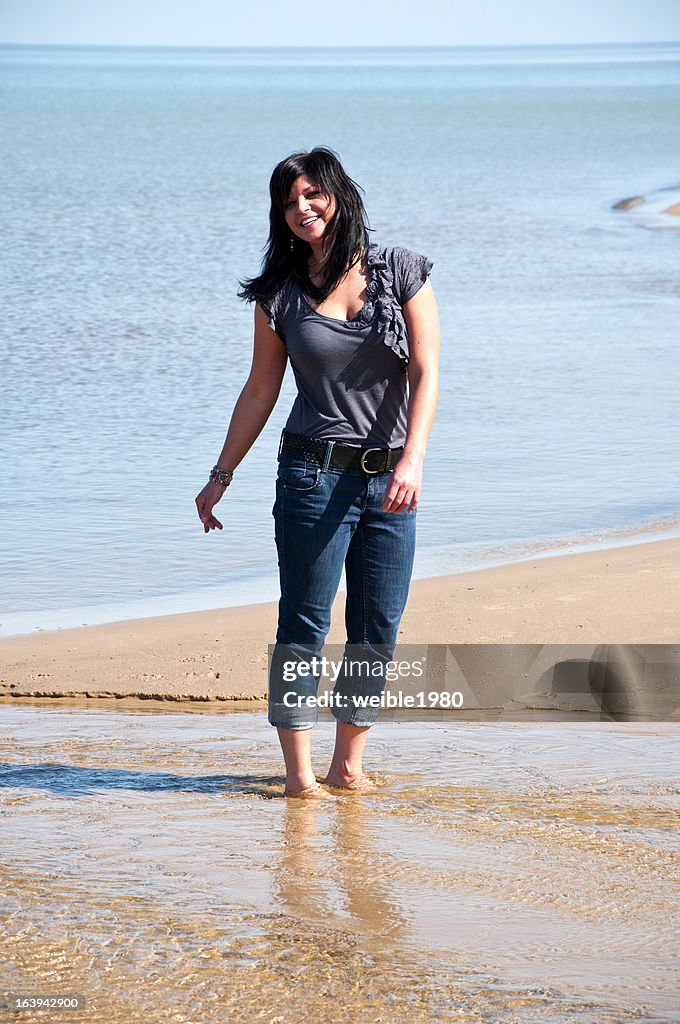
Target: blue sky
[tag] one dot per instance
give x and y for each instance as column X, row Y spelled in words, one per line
column 345, row 23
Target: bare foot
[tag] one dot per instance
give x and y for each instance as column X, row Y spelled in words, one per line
column 360, row 783
column 313, row 792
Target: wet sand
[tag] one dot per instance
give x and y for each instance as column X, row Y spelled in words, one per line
column 502, row 873
column 519, row 872
column 624, row 595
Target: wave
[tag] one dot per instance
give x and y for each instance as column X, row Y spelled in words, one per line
column 659, row 210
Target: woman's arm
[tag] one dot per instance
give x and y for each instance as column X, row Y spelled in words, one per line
column 422, row 323
column 252, row 410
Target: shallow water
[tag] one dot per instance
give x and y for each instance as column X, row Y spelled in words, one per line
column 523, row 872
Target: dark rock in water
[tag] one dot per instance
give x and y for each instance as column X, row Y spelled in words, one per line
column 627, row 204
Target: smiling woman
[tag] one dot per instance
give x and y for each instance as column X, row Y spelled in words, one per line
column 308, row 212
column 306, row 207
column 359, row 324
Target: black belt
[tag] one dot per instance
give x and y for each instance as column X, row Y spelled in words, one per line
column 343, row 456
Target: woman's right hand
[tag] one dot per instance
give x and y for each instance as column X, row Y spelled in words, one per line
column 251, row 412
column 206, row 501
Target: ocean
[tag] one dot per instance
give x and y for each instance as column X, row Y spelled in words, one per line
column 136, row 196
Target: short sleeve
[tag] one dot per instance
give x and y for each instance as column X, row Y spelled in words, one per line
column 411, row 270
column 272, row 308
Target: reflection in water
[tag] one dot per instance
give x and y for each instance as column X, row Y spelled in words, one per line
column 523, row 872
column 337, row 872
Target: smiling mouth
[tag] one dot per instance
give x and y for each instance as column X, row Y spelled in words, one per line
column 308, row 221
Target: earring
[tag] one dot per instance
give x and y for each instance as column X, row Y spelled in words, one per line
column 292, row 242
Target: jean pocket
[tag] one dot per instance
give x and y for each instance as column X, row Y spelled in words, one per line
column 299, row 475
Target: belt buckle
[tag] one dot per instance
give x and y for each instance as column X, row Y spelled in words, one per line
column 370, row 472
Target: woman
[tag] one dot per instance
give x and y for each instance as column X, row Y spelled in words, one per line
column 359, row 324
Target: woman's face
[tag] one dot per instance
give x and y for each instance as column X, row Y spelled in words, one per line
column 308, row 210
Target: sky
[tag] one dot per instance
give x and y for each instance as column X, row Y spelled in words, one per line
column 344, row 23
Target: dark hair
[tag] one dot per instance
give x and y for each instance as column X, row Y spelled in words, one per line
column 345, row 238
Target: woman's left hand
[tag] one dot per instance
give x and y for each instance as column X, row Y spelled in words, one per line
column 403, row 490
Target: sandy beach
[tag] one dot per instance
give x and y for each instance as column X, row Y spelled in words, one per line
column 517, row 860
column 625, row 595
column 506, row 870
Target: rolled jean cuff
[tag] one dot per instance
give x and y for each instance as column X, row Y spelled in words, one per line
column 280, row 717
column 288, row 706
column 292, row 715
column 356, row 696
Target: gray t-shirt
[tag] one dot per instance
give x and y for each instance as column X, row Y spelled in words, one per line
column 351, row 374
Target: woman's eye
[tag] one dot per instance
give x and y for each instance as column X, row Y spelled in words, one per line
column 309, row 195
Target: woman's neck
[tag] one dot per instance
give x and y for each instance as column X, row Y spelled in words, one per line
column 317, row 263
column 318, row 256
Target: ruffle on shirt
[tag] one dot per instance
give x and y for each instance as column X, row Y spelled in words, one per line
column 383, row 302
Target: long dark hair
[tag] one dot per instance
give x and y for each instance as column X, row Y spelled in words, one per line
column 345, row 238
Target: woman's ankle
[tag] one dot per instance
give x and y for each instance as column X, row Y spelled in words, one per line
column 295, row 782
column 345, row 768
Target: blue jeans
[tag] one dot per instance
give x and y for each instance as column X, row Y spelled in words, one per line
column 327, row 518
